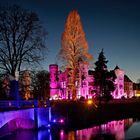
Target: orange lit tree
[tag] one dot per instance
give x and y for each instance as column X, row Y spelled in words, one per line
column 74, row 48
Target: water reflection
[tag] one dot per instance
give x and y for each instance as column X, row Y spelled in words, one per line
column 111, row 130
column 114, row 130
column 133, row 131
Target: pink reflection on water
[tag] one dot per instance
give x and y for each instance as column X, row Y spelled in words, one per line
column 115, row 128
column 62, row 134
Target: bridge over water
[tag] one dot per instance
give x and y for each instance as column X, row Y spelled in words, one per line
column 29, row 118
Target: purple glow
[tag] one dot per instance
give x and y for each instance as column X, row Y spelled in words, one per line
column 61, row 121
column 25, row 119
column 58, row 120
column 44, row 117
column 49, row 125
column 49, row 130
column 62, row 132
column 16, row 115
column 54, row 120
column 62, row 135
column 118, row 129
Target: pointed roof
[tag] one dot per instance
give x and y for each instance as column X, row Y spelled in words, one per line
column 116, row 67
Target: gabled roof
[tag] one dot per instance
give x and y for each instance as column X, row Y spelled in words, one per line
column 127, row 79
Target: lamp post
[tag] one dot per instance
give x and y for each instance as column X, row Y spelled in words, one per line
column 17, row 88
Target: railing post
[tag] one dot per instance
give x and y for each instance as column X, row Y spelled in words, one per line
column 36, row 117
column 35, row 103
column 36, row 113
column 50, row 115
column 14, row 91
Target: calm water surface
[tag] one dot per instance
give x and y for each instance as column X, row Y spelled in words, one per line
column 115, row 130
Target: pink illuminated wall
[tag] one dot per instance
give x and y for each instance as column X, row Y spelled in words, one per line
column 83, row 73
column 59, row 81
column 53, row 80
column 63, row 84
column 58, row 88
column 119, row 91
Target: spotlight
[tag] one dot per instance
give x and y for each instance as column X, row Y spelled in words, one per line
column 61, row 121
column 49, row 125
column 54, row 120
column 89, row 102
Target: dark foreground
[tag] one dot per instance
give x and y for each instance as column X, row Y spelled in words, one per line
column 80, row 114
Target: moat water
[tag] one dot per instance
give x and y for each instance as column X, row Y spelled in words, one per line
column 126, row 129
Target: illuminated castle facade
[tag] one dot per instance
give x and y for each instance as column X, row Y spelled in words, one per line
column 119, row 82
column 59, row 82
column 85, row 88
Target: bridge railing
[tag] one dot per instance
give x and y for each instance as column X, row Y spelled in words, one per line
column 7, row 104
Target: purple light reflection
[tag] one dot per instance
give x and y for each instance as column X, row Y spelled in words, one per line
column 117, row 129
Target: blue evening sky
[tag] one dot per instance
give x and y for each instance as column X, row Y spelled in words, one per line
column 110, row 24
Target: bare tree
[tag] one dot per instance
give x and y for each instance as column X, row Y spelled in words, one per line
column 21, row 38
column 41, row 85
column 74, row 48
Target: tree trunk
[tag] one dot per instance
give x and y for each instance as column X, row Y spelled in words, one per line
column 74, row 93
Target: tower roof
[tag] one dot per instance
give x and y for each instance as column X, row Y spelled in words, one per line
column 116, row 67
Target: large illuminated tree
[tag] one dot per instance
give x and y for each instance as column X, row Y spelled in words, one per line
column 74, row 48
column 21, row 38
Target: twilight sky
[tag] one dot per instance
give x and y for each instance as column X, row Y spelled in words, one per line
column 110, row 24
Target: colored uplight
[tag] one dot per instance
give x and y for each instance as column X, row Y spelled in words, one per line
column 54, row 120
column 49, row 125
column 61, row 121
column 10, row 104
column 49, row 130
column 89, row 102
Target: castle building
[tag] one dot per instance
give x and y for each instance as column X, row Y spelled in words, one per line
column 136, row 89
column 84, row 84
column 128, row 87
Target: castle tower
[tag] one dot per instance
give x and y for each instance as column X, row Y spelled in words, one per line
column 119, row 91
column 53, row 68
